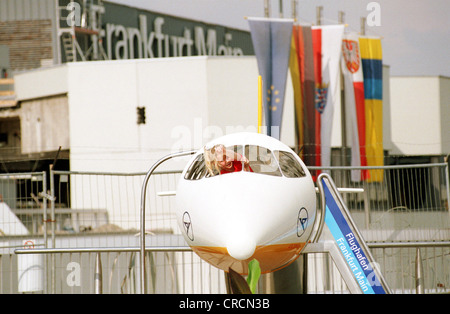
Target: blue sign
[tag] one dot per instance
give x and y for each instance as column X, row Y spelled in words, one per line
column 350, row 248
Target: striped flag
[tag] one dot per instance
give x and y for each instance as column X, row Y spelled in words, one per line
column 271, row 40
column 302, row 74
column 327, row 42
column 302, row 37
column 371, row 58
column 295, row 63
column 354, row 103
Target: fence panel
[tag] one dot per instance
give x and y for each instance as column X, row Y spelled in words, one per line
column 407, row 203
column 110, row 202
column 170, row 271
column 22, row 203
column 398, row 265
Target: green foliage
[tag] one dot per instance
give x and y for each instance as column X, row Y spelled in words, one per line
column 254, row 272
column 238, row 285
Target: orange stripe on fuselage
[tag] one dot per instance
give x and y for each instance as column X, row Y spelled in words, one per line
column 270, row 257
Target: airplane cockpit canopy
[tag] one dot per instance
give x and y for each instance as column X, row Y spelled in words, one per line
column 260, row 159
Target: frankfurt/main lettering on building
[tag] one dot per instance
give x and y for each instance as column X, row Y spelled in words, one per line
column 143, row 42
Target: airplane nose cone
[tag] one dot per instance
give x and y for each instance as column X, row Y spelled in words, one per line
column 241, row 247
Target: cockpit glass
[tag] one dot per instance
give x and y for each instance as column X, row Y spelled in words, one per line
column 261, row 160
column 289, row 165
column 217, row 160
column 221, row 160
column 197, row 169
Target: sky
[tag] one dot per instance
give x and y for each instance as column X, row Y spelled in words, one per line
column 415, row 33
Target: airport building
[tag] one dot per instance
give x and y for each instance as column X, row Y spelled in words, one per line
column 154, row 76
column 101, row 31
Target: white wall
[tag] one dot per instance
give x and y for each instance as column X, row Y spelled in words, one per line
column 232, row 98
column 43, row 109
column 444, row 97
column 43, row 82
column 44, row 124
column 416, row 118
column 103, row 99
column 387, row 136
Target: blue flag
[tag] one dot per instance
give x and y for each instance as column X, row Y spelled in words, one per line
column 272, row 44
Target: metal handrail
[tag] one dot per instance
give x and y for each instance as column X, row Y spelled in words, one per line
column 438, row 164
column 142, row 211
column 98, row 273
column 68, row 172
column 385, row 245
column 103, row 250
column 372, row 245
column 98, row 265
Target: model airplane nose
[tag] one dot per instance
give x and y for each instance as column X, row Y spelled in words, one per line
column 241, row 247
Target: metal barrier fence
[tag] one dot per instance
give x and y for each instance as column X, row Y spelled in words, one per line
column 399, row 263
column 101, row 210
column 116, row 271
column 109, row 202
column 21, row 197
column 413, row 187
column 408, row 268
column 411, row 200
column 405, row 203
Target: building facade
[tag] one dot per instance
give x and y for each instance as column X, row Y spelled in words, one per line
column 421, row 115
column 37, row 111
column 49, row 33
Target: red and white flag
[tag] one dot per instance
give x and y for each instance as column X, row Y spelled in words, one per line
column 327, row 42
column 354, row 103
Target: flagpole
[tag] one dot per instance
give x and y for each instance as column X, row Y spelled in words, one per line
column 319, row 11
column 266, row 8
column 294, row 9
column 363, row 26
column 343, row 111
column 259, row 103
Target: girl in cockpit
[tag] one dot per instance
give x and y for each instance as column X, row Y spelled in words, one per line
column 220, row 160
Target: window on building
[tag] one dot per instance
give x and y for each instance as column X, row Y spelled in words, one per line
column 3, row 139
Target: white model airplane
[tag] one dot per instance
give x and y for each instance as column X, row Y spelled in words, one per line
column 246, row 196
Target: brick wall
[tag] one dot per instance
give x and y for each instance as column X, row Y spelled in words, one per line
column 28, row 42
